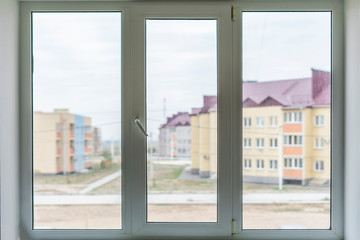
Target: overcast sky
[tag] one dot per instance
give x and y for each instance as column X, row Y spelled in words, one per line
column 78, row 58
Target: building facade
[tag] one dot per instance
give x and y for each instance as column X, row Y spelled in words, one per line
column 175, row 136
column 97, row 146
column 286, row 127
column 63, row 142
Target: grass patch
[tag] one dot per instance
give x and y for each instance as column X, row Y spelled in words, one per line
column 96, row 173
column 166, row 180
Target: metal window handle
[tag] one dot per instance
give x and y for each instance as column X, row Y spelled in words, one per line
column 137, row 121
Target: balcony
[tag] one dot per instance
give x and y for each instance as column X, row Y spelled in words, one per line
column 88, row 135
column 71, row 150
column 58, row 134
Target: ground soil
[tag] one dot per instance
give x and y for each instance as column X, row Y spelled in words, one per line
column 259, row 216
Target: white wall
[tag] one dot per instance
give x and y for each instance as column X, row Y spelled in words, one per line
column 352, row 120
column 9, row 117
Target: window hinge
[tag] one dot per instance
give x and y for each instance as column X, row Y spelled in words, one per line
column 233, row 13
column 233, row 227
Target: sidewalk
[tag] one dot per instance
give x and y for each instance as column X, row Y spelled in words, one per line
column 100, row 182
column 252, row 198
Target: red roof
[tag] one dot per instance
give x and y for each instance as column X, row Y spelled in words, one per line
column 303, row 92
column 179, row 119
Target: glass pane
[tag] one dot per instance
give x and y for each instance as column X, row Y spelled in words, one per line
column 286, row 75
column 181, row 64
column 77, row 120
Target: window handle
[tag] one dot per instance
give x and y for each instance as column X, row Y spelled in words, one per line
column 137, row 121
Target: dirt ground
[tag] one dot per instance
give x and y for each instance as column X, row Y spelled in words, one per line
column 261, row 216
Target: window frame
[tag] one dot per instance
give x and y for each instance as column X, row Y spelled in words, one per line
column 247, row 122
column 260, row 140
column 292, row 161
column 247, row 164
column 260, row 122
column 273, row 143
column 295, row 116
column 319, row 121
column 260, row 164
column 319, row 143
column 273, row 122
column 319, row 163
column 337, row 113
column 235, row 95
column 247, row 140
column 291, row 138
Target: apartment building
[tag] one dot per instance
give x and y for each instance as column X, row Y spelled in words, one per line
column 175, row 136
column 286, row 126
column 97, row 146
column 63, row 142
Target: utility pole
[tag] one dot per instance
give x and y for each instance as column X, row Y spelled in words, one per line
column 164, row 109
column 172, row 145
column 64, row 146
column 151, row 160
column 280, row 159
column 112, row 149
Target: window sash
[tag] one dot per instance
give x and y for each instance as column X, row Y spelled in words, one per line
column 293, row 117
column 182, row 11
column 260, row 122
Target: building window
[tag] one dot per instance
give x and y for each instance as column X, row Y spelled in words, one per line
column 293, row 117
column 259, row 164
column 293, row 163
column 273, row 164
column 247, row 163
column 260, row 122
column 273, row 142
column 319, row 121
column 247, row 142
column 273, row 121
column 247, row 122
column 318, row 143
column 260, row 143
column 319, row 166
column 292, row 140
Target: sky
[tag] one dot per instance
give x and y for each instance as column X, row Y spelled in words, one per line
column 77, row 59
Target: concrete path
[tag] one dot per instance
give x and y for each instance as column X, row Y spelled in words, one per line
column 115, row 175
column 100, row 182
column 170, row 162
column 252, row 198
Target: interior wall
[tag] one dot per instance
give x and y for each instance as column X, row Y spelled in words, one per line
column 9, row 118
column 352, row 117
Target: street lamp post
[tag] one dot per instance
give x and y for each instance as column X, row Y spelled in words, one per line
column 280, row 159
